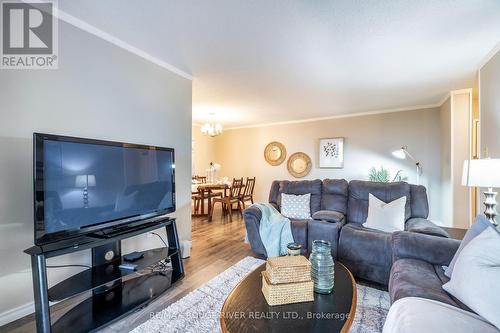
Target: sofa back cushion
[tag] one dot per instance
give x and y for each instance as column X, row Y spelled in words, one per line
column 297, row 188
column 357, row 205
column 334, row 195
column 274, row 193
column 418, row 201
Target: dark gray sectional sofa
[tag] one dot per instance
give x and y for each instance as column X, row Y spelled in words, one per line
column 338, row 211
column 417, row 269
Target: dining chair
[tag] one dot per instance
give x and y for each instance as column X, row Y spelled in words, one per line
column 200, row 197
column 247, row 194
column 229, row 200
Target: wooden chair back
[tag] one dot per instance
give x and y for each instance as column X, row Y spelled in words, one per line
column 249, row 187
column 236, row 187
column 202, row 179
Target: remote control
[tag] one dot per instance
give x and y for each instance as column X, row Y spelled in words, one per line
column 133, row 256
column 129, row 267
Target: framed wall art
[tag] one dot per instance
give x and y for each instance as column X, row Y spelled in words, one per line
column 331, row 153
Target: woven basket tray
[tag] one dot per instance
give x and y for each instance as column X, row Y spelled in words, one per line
column 287, row 293
column 288, row 269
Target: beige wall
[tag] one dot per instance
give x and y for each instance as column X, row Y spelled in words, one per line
column 489, row 113
column 489, row 107
column 446, row 182
column 461, row 113
column 203, row 152
column 369, row 141
column 99, row 91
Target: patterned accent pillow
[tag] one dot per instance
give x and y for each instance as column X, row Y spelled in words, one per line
column 296, row 206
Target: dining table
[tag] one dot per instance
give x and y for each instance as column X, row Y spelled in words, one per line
column 204, row 189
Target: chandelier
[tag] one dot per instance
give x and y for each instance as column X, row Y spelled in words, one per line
column 211, row 128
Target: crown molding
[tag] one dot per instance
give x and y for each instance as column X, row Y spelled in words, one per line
column 488, row 56
column 445, row 98
column 347, row 115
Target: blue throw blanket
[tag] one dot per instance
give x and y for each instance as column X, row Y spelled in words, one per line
column 275, row 231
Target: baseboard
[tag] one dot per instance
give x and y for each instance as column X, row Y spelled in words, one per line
column 185, row 248
column 16, row 313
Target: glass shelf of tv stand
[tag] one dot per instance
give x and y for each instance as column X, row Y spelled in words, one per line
column 100, row 310
column 102, row 275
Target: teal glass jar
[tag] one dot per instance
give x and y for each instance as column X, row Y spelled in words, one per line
column 322, row 266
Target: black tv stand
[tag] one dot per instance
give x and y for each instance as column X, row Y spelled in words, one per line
column 111, row 292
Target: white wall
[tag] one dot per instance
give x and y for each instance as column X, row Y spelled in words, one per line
column 369, row 141
column 99, row 91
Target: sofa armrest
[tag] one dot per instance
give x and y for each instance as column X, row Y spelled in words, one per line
column 434, row 250
column 329, row 216
column 425, row 226
column 252, row 216
column 275, row 205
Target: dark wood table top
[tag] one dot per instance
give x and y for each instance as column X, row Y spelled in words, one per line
column 246, row 310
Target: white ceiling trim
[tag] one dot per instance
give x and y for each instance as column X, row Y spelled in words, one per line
column 490, row 55
column 346, row 115
column 76, row 22
column 445, row 98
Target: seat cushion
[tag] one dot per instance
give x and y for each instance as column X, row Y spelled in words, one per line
column 417, row 278
column 367, row 253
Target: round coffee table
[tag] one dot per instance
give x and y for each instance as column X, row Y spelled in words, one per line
column 246, row 310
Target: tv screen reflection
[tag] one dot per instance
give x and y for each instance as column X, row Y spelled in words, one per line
column 87, row 184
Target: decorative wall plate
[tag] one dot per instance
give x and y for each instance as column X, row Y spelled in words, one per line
column 299, row 165
column 275, row 153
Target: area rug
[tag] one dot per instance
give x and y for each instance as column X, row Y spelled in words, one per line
column 198, row 312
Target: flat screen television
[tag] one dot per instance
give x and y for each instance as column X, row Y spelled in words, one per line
column 84, row 185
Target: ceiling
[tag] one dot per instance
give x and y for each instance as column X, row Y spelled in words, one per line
column 266, row 61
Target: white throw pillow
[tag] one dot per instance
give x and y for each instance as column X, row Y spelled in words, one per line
column 296, row 206
column 476, row 275
column 388, row 217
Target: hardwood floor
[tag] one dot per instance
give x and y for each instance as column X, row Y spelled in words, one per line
column 216, row 246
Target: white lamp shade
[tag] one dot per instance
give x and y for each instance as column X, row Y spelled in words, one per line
column 481, row 173
column 91, row 180
column 85, row 181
